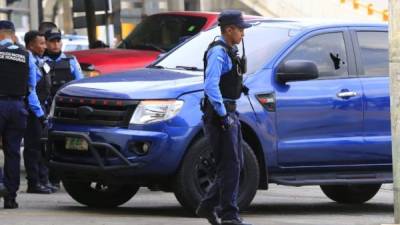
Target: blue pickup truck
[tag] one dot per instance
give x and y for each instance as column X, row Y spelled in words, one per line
column 317, row 114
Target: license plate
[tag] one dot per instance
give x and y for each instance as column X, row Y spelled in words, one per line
column 77, row 144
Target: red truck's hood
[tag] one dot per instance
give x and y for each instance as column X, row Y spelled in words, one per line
column 114, row 60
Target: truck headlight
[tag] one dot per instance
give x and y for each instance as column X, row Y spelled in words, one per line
column 151, row 111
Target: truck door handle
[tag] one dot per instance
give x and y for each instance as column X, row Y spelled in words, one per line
column 347, row 94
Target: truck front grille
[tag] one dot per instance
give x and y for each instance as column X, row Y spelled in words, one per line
column 90, row 111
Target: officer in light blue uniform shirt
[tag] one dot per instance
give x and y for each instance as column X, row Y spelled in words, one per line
column 63, row 68
column 219, row 63
column 223, row 85
column 33, row 101
column 36, row 170
column 17, row 86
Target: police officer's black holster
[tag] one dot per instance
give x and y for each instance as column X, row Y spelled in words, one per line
column 209, row 111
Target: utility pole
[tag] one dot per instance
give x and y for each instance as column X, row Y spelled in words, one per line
column 67, row 17
column 176, row 5
column 116, row 20
column 3, row 15
column 34, row 14
column 40, row 10
column 394, row 65
column 90, row 21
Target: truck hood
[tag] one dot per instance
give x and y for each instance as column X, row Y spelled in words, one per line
column 107, row 60
column 137, row 84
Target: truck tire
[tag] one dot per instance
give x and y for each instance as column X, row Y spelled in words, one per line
column 97, row 195
column 351, row 194
column 197, row 172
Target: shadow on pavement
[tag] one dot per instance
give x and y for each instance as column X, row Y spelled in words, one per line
column 317, row 208
column 255, row 209
column 156, row 211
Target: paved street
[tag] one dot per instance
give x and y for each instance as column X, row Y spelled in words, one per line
column 280, row 205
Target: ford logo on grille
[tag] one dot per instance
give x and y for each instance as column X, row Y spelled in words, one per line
column 84, row 112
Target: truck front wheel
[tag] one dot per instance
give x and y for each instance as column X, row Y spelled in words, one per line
column 351, row 194
column 197, row 173
column 97, row 195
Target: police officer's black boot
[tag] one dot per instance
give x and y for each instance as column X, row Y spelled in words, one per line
column 10, row 203
column 51, row 187
column 38, row 189
column 234, row 222
column 208, row 213
column 3, row 190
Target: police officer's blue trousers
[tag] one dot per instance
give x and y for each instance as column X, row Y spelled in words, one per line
column 36, row 170
column 13, row 116
column 228, row 153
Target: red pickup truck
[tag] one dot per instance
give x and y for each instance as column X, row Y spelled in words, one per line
column 156, row 34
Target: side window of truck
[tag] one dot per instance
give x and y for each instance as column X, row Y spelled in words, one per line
column 328, row 51
column 374, row 52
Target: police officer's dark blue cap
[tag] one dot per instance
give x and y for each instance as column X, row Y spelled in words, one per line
column 232, row 17
column 52, row 34
column 6, row 25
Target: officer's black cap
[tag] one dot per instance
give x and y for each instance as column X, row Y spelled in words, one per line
column 232, row 17
column 52, row 34
column 6, row 25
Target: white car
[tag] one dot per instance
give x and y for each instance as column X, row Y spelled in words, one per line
column 74, row 42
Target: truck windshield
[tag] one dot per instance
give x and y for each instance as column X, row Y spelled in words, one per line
column 262, row 42
column 162, row 32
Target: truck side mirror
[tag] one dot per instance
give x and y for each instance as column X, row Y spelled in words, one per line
column 296, row 70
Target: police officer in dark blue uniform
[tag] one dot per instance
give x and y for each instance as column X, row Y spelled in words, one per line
column 63, row 68
column 222, row 87
column 36, row 170
column 17, row 83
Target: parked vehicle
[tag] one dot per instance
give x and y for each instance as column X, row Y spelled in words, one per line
column 155, row 35
column 74, row 43
column 317, row 114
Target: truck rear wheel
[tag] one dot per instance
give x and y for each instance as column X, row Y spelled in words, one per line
column 351, row 194
column 97, row 195
column 198, row 172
